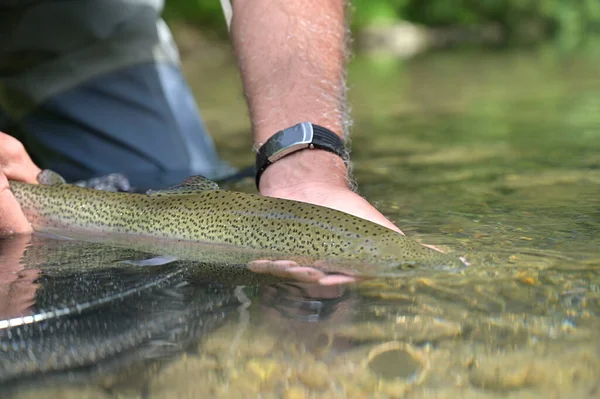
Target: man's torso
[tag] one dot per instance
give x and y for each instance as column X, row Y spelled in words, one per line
column 49, row 46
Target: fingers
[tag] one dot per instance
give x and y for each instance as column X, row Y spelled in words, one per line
column 12, row 219
column 337, row 279
column 304, row 274
column 15, row 163
column 432, row 247
column 286, row 269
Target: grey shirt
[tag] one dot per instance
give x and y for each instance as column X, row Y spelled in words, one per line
column 48, row 46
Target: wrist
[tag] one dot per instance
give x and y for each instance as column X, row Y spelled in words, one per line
column 305, row 168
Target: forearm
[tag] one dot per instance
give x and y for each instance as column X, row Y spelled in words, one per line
column 292, row 55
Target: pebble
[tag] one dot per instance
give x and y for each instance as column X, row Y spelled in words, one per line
column 315, row 376
column 295, row 392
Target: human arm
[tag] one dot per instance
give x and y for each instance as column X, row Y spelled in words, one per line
column 292, row 56
column 15, row 164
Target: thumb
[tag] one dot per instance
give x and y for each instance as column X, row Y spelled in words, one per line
column 12, row 219
column 15, row 163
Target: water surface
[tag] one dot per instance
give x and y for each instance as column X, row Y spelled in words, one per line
column 495, row 156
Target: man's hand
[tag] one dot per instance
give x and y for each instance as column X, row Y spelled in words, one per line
column 15, row 164
column 320, row 178
column 292, row 57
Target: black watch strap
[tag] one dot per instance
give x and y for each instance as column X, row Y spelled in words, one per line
column 298, row 137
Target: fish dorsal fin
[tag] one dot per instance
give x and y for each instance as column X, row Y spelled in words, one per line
column 50, row 178
column 191, row 185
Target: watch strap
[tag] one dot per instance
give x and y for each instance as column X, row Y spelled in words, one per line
column 296, row 138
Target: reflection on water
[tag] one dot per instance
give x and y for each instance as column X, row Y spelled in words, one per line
column 495, row 156
column 88, row 315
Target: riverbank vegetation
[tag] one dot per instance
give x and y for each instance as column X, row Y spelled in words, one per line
column 568, row 22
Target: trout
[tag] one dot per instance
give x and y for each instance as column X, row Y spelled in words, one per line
column 183, row 220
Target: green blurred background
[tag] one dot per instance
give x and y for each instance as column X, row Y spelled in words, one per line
column 569, row 23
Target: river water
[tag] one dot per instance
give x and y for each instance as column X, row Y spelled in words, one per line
column 495, row 156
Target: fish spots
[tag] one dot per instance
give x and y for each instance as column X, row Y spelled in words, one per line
column 223, row 217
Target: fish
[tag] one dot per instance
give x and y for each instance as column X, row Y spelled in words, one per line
column 195, row 217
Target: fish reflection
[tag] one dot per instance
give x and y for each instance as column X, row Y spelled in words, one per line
column 67, row 311
column 98, row 320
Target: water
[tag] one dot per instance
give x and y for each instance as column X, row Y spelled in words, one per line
column 495, row 156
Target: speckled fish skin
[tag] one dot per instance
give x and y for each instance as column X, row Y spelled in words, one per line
column 217, row 216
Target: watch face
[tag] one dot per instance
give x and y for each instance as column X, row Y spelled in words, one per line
column 295, row 138
column 301, row 133
column 289, row 140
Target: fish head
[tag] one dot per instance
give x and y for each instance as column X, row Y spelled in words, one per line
column 395, row 253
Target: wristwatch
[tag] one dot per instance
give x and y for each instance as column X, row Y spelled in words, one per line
column 302, row 136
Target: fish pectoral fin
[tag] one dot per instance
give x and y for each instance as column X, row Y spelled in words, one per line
column 50, row 178
column 191, row 185
column 157, row 261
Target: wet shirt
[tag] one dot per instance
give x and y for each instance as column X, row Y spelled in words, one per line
column 49, row 46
